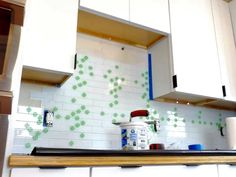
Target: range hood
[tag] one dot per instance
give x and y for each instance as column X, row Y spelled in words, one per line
column 100, row 25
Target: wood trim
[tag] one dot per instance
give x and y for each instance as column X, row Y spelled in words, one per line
column 17, row 11
column 48, row 161
column 5, row 102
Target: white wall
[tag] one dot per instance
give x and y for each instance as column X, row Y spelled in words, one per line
column 232, row 6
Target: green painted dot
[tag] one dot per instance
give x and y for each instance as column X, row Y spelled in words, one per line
column 111, row 105
column 111, row 80
column 81, row 72
column 199, row 112
column 175, row 125
column 67, row 117
column 39, row 122
column 27, row 145
column 199, row 116
column 55, row 109
column 155, row 112
column 58, row 116
column 37, row 133
column 117, row 67
column 143, row 85
column 168, row 119
column 220, row 114
column 204, row 122
column 30, row 129
column 176, row 120
column 82, row 135
column 113, row 120
column 109, row 71
column 77, row 125
column 115, row 90
column 162, row 118
column 82, row 122
column 115, row 96
column 80, row 84
column 176, row 114
column 142, row 75
column 148, row 106
column 184, row 120
column 199, row 122
column 83, row 60
column 115, row 115
column 83, row 107
column 122, row 79
column 146, row 72
column 74, row 87
column 120, row 88
column 29, row 109
column 72, row 113
column 85, row 57
column 146, row 89
column 105, row 76
column 77, row 78
column 72, row 128
column 71, row 143
column 87, row 112
column 35, row 114
column 73, row 100
column 40, row 117
column 77, row 118
column 78, row 111
column 175, row 108
column 84, row 82
column 115, row 84
column 80, row 66
column 102, row 113
column 35, row 138
column 193, row 122
column 116, row 78
column 90, row 67
column 122, row 115
column 83, row 94
column 136, row 82
column 45, row 130
column 211, row 123
column 111, row 92
column 220, row 119
column 116, row 102
column 91, row 74
column 146, row 78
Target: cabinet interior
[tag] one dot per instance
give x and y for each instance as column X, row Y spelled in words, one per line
column 116, row 30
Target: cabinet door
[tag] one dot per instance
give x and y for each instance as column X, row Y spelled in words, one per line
column 36, row 172
column 116, row 8
column 150, row 13
column 232, row 6
column 49, row 34
column 166, row 171
column 226, row 171
column 226, row 46
column 195, row 56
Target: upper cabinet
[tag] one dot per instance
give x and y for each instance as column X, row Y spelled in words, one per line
column 226, row 47
column 116, row 8
column 196, row 63
column 49, row 40
column 150, row 13
column 153, row 14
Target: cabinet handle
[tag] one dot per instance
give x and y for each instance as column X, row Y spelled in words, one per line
column 75, row 61
column 131, row 166
column 51, row 167
column 174, row 79
column 224, row 90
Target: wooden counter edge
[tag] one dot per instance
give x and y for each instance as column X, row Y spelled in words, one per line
column 56, row 161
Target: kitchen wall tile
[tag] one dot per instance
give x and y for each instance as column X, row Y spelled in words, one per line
column 107, row 85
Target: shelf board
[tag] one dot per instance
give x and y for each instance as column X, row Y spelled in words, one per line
column 43, row 76
column 116, row 30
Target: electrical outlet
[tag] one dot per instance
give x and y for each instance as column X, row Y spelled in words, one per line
column 48, row 118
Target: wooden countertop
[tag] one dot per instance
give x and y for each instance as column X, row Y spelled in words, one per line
column 81, row 161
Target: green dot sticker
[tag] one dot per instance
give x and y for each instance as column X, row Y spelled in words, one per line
column 136, row 82
column 122, row 115
column 78, row 111
column 81, row 72
column 29, row 109
column 87, row 112
column 83, row 107
column 82, row 122
column 91, row 74
column 73, row 100
column 27, row 145
column 105, row 76
column 115, row 114
column 117, row 67
column 72, row 114
column 83, row 94
column 58, row 116
column 77, row 125
column 77, row 78
column 35, row 114
column 71, row 143
column 109, row 71
column 84, row 82
column 45, row 130
column 82, row 135
column 67, row 117
column 77, row 118
column 72, row 128
column 80, row 66
column 74, row 87
column 90, row 67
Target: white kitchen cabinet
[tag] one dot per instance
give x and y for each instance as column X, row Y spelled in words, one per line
column 167, row 171
column 227, row 170
column 151, row 13
column 232, row 6
column 37, row 172
column 49, row 35
column 226, row 47
column 116, row 8
column 185, row 66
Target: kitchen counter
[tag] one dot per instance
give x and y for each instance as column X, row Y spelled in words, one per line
column 83, row 158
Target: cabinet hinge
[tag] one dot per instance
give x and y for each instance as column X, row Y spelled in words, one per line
column 75, row 61
column 224, row 90
column 174, row 79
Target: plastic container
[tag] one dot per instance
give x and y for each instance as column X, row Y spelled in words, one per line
column 196, row 147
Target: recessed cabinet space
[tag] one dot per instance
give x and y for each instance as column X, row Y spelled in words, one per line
column 49, row 40
column 196, row 63
column 153, row 14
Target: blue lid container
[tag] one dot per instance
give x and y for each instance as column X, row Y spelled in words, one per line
column 196, row 147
